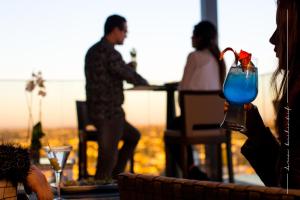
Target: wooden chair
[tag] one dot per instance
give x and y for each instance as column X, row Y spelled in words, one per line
column 202, row 113
column 86, row 132
column 84, row 135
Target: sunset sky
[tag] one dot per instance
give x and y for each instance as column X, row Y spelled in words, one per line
column 53, row 37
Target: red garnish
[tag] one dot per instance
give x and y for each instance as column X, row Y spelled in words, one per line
column 244, row 57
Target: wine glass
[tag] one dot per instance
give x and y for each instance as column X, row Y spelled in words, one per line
column 240, row 88
column 133, row 58
column 58, row 157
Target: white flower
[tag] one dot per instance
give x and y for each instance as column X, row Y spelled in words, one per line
column 37, row 80
column 30, row 86
column 42, row 93
column 40, row 82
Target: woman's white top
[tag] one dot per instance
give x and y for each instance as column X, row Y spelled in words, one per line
column 201, row 72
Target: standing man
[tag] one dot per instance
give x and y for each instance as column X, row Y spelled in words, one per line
column 105, row 71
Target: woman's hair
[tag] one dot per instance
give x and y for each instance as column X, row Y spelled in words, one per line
column 287, row 54
column 206, row 34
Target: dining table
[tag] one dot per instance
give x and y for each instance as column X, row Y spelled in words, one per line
column 170, row 88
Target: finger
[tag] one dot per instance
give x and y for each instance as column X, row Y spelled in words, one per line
column 226, row 106
column 248, row 106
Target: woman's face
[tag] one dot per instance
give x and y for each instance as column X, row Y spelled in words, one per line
column 278, row 39
column 198, row 42
column 275, row 36
column 195, row 41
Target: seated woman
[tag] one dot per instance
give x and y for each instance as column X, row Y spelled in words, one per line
column 203, row 71
column 15, row 167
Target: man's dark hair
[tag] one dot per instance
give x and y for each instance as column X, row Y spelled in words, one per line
column 112, row 22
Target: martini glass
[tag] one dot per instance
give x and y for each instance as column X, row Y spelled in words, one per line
column 58, row 157
column 240, row 88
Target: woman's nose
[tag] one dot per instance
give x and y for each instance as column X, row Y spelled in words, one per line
column 273, row 38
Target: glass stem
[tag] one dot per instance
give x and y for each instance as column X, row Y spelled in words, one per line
column 57, row 179
column 235, row 118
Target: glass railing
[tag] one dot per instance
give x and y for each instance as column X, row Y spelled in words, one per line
column 144, row 109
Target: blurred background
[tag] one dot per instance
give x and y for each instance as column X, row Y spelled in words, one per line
column 53, row 37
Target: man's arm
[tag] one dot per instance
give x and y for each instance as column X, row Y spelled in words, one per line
column 117, row 66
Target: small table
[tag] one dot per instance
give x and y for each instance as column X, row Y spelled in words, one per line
column 170, row 88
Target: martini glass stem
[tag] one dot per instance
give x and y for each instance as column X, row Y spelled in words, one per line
column 57, row 179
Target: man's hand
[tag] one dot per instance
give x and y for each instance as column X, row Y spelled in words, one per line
column 133, row 65
column 36, row 182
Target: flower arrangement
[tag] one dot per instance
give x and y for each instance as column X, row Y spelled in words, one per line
column 36, row 82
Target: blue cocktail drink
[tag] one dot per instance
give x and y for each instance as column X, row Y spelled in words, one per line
column 240, row 88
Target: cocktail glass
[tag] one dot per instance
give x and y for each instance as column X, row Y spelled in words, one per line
column 58, row 157
column 240, row 88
